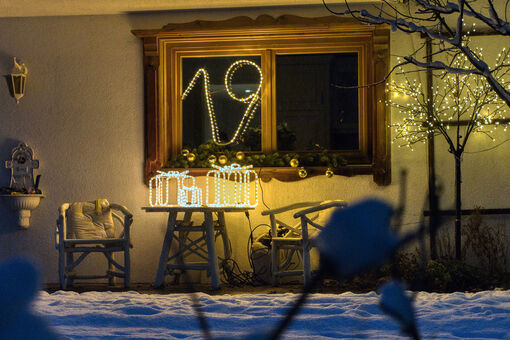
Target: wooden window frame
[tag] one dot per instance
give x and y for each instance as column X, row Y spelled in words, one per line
column 267, row 37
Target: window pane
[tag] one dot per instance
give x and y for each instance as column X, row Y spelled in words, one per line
column 196, row 126
column 311, row 113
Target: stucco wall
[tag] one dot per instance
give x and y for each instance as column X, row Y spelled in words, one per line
column 83, row 116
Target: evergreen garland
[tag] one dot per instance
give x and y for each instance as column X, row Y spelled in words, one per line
column 203, row 151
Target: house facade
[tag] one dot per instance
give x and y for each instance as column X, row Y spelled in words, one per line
column 83, row 115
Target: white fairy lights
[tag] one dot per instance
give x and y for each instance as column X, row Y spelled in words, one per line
column 159, row 187
column 187, row 195
column 253, row 99
column 456, row 99
column 238, row 180
column 232, row 188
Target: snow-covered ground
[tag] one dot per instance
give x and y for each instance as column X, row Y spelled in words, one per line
column 130, row 315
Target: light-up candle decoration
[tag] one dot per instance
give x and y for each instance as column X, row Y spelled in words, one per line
column 238, row 180
column 253, row 99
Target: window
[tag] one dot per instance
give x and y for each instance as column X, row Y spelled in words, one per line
column 311, row 104
column 312, row 114
column 196, row 127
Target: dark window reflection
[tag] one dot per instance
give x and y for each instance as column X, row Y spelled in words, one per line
column 312, row 114
column 196, row 128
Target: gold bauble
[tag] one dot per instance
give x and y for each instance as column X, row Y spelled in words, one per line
column 294, row 163
column 302, row 173
column 222, row 159
column 212, row 159
column 191, row 157
column 240, row 155
column 185, row 152
column 329, row 173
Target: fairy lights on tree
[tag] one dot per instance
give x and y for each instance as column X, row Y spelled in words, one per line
column 466, row 102
column 462, row 105
column 445, row 25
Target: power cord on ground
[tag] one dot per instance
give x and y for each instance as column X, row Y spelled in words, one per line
column 231, row 271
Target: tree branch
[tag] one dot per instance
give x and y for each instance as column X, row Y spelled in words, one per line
column 409, row 27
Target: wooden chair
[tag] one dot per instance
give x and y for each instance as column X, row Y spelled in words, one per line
column 296, row 238
column 68, row 246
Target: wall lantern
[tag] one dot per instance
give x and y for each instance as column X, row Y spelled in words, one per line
column 18, row 80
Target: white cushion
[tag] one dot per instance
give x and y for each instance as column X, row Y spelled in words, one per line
column 90, row 220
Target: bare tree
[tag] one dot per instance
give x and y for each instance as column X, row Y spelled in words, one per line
column 459, row 106
column 443, row 22
column 447, row 25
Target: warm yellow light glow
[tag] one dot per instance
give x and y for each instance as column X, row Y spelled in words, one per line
column 454, row 97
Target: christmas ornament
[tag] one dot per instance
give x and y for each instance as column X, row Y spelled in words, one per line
column 240, row 155
column 212, row 159
column 191, row 157
column 302, row 173
column 222, row 160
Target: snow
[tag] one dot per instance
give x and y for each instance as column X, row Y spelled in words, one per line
column 131, row 315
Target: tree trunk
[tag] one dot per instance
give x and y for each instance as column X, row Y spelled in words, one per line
column 458, row 207
column 433, row 203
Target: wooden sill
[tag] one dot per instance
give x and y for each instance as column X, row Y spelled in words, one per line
column 288, row 174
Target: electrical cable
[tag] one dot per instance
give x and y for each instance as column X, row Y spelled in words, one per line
column 231, row 271
column 262, row 191
column 249, row 249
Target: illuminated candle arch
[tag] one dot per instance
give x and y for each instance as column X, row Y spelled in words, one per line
column 238, row 177
column 253, row 99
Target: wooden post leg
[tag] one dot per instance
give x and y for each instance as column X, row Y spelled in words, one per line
column 211, row 250
column 111, row 278
column 182, row 236
column 127, row 266
column 61, row 265
column 306, row 253
column 165, row 250
column 68, row 282
column 306, row 263
column 275, row 255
